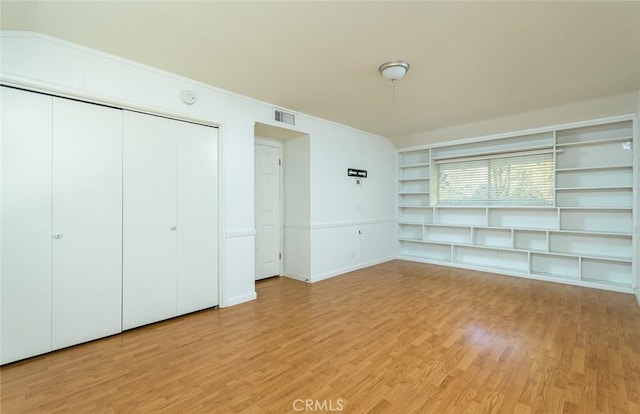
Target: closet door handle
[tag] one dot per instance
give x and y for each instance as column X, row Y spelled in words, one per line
column 173, row 228
column 57, row 236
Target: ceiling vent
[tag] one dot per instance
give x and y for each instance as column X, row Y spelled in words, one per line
column 284, row 117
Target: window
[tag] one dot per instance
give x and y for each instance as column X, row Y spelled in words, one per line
column 524, row 178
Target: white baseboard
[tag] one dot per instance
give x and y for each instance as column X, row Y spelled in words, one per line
column 636, row 292
column 295, row 276
column 347, row 269
column 552, row 279
column 239, row 299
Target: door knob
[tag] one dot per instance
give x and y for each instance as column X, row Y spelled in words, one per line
column 173, row 228
column 57, row 236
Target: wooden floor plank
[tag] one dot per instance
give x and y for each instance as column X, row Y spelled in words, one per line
column 399, row 337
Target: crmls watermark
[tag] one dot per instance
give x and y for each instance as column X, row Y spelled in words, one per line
column 318, row 405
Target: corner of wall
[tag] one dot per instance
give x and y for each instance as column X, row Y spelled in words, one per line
column 239, row 299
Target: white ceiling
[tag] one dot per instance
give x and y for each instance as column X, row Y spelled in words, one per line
column 470, row 61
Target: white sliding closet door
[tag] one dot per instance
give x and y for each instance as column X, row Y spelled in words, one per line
column 25, row 224
column 87, row 222
column 170, row 218
column 197, row 183
column 150, row 224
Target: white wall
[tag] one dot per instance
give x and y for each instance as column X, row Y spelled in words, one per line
column 296, row 208
column 40, row 62
column 352, row 226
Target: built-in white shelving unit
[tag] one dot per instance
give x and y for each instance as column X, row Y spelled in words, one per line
column 585, row 237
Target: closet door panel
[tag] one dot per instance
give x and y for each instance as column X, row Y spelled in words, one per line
column 197, row 273
column 149, row 208
column 25, row 224
column 87, row 217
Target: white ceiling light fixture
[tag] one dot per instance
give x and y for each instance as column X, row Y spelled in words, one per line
column 394, row 70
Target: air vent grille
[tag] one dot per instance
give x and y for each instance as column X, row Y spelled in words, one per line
column 284, row 117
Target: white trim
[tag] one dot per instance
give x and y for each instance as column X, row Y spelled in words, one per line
column 337, row 224
column 91, row 97
column 268, row 142
column 636, row 293
column 348, row 269
column 279, row 145
column 95, row 52
column 635, row 268
column 297, row 276
column 240, row 233
column 515, row 134
column 239, row 299
column 297, row 226
column 518, row 274
column 494, row 155
column 222, row 247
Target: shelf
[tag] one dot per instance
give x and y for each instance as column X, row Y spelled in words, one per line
column 540, row 219
column 461, row 216
column 606, row 258
column 420, row 156
column 554, row 265
column 596, row 220
column 416, row 215
column 584, row 238
column 410, row 231
column 451, row 234
column 413, row 186
column 510, row 260
column 414, row 179
column 597, row 208
column 424, row 207
column 530, row 240
column 424, row 259
column 496, row 152
column 554, row 275
column 595, row 141
column 407, row 239
column 608, row 178
column 427, row 251
column 596, row 233
column 595, row 133
column 483, row 226
column 607, row 272
column 625, row 187
column 601, row 198
column 595, row 167
column 493, row 238
column 414, row 165
column 607, row 282
column 597, row 153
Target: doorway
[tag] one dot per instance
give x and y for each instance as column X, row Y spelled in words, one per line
column 268, row 208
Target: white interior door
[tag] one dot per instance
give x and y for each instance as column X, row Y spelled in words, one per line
column 87, row 219
column 149, row 220
column 25, row 231
column 267, row 210
column 197, row 225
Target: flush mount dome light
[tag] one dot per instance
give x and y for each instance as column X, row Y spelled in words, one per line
column 394, row 70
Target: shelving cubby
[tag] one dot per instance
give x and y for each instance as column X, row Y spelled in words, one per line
column 584, row 237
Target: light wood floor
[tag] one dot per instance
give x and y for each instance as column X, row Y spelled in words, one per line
column 395, row 338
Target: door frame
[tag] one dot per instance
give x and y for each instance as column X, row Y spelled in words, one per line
column 274, row 143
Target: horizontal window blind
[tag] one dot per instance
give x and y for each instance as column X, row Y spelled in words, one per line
column 511, row 179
